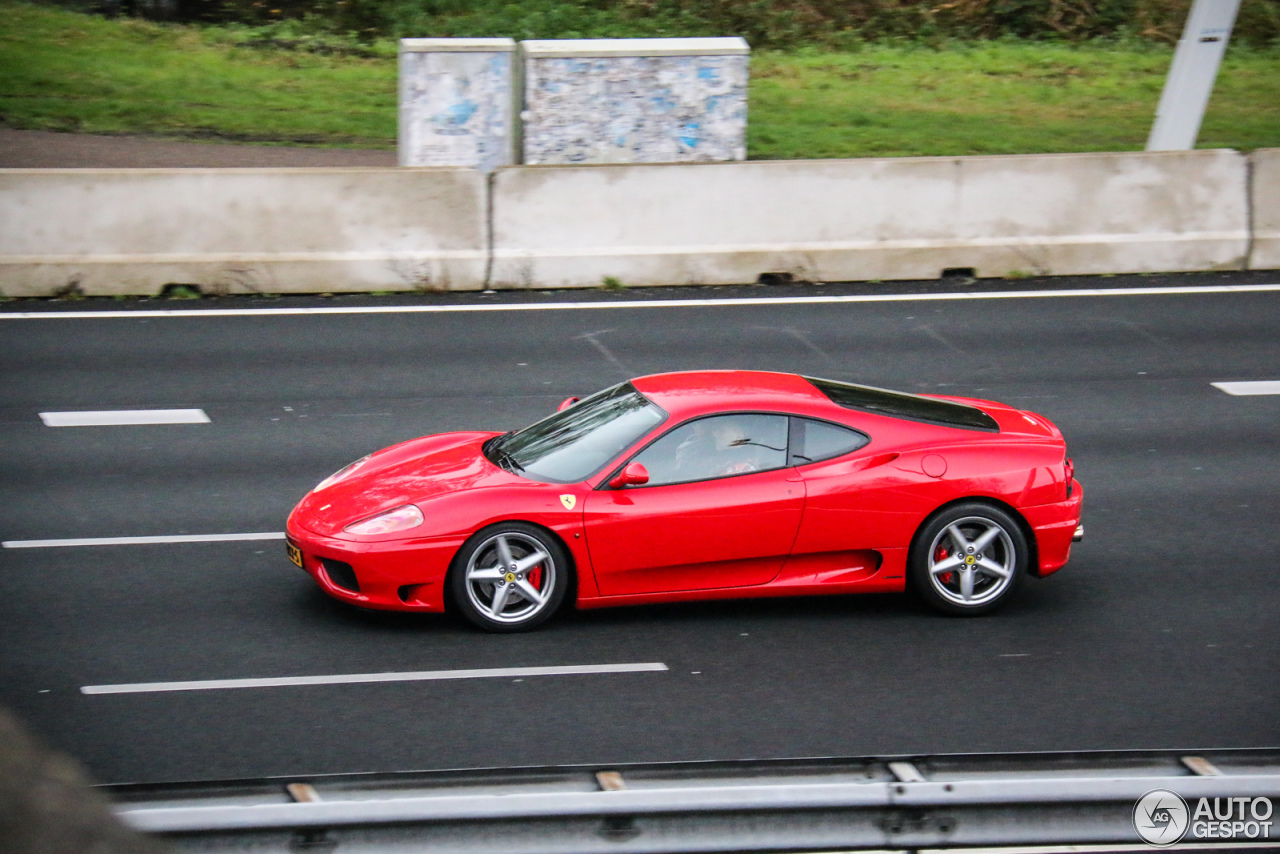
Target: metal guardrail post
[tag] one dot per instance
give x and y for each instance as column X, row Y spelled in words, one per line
column 1191, row 76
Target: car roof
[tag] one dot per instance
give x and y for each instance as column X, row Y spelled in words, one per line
column 688, row 393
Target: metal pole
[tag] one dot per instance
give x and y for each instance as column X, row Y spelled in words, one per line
column 1190, row 81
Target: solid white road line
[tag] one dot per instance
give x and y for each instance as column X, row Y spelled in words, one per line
column 124, row 417
column 1250, row 388
column 356, row 678
column 140, row 541
column 1185, row 845
column 673, row 303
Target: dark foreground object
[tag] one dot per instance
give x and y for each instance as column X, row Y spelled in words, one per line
column 47, row 806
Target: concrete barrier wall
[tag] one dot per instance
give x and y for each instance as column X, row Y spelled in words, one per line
column 132, row 231
column 1265, row 203
column 904, row 218
column 316, row 230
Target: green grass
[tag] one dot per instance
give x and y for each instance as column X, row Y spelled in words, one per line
column 996, row 97
column 66, row 71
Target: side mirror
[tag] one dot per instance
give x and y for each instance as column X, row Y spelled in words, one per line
column 634, row 474
column 566, row 403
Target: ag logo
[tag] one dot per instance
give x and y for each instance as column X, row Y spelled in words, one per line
column 1161, row 817
column 568, row 501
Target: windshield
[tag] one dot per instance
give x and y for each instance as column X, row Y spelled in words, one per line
column 572, row 445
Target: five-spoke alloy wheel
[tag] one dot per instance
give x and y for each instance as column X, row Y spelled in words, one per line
column 968, row 558
column 509, row 577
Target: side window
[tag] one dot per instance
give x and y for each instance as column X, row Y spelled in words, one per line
column 818, row 440
column 719, row 446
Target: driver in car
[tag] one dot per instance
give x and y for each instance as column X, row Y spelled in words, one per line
column 717, row 447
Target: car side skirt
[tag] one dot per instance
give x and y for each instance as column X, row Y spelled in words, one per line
column 889, row 578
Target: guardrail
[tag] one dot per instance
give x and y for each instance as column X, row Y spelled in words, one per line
column 132, row 232
column 900, row 803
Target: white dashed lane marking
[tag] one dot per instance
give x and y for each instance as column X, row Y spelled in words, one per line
column 124, row 417
column 358, row 678
column 1250, row 388
column 140, row 541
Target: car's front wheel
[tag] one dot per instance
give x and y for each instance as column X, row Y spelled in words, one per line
column 968, row 558
column 509, row 577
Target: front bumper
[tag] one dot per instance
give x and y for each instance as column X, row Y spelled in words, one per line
column 395, row 575
column 1055, row 526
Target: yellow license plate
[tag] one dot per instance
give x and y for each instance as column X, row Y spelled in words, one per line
column 295, row 553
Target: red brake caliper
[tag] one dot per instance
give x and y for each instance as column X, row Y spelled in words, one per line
column 945, row 578
column 535, row 577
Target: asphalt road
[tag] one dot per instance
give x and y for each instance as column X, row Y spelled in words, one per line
column 1162, row 632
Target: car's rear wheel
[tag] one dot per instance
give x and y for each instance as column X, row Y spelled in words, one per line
column 509, row 577
column 968, row 559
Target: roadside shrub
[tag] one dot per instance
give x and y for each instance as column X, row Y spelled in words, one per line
column 782, row 24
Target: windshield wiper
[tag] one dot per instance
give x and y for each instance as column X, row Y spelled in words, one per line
column 501, row 456
column 507, row 461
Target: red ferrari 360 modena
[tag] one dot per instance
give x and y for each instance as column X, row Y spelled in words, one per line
column 700, row 485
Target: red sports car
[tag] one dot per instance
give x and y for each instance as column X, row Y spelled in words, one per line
column 700, row 485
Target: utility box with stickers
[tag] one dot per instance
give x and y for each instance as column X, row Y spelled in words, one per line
column 456, row 103
column 633, row 100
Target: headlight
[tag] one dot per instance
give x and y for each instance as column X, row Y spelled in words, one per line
column 342, row 473
column 399, row 519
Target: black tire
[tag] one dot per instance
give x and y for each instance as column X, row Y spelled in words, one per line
column 479, row 576
column 983, row 576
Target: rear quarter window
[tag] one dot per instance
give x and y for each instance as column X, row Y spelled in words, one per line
column 812, row 441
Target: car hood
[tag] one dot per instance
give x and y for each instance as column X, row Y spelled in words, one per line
column 409, row 473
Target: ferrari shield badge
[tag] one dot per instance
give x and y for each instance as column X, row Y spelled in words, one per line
column 568, row 501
